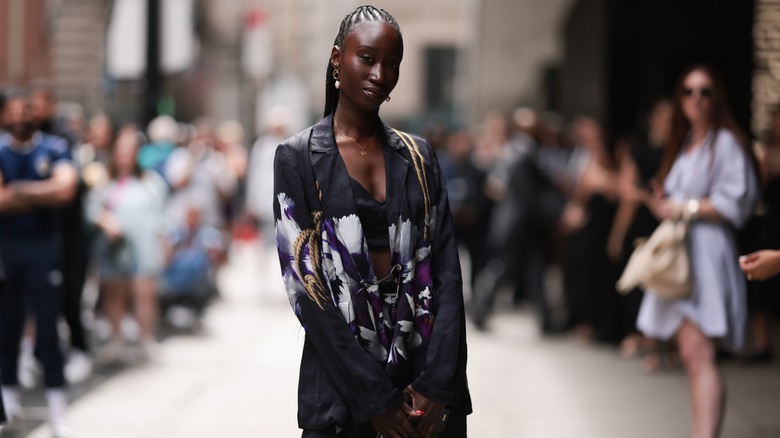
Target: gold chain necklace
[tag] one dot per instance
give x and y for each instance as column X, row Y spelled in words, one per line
column 363, row 151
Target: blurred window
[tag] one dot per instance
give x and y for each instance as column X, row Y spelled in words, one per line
column 439, row 78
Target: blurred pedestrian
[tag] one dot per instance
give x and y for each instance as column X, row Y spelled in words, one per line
column 37, row 177
column 2, row 288
column 74, row 247
column 188, row 281
column 163, row 132
column 707, row 174
column 760, row 241
column 200, row 171
column 369, row 257
column 98, row 140
column 260, row 177
column 230, row 144
column 497, row 153
column 2, row 270
column 3, row 93
column 469, row 204
column 519, row 236
column 589, row 274
column 638, row 166
column 128, row 214
column 44, row 103
column 260, row 194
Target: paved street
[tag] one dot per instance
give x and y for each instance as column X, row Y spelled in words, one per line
column 238, row 379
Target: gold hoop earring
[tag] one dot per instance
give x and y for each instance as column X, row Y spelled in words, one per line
column 387, row 99
column 336, row 77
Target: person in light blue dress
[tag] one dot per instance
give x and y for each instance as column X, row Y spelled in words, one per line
column 127, row 216
column 709, row 175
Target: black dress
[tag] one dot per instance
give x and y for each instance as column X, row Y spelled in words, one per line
column 647, row 158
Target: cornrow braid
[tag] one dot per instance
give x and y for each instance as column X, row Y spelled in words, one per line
column 363, row 14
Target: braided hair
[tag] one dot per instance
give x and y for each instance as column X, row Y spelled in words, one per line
column 363, row 14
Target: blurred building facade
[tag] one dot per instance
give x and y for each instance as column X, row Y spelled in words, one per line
column 58, row 40
column 463, row 58
column 24, row 40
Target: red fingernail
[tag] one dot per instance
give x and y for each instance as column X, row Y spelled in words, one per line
column 419, row 412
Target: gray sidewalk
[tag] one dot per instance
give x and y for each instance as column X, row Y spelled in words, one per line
column 239, row 379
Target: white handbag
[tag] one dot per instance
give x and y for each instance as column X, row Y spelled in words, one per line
column 661, row 264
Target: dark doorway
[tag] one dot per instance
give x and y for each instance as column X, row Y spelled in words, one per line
column 650, row 43
column 633, row 52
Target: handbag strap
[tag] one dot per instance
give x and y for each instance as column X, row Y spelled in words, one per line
column 419, row 168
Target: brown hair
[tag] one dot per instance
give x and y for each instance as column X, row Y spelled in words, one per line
column 137, row 171
column 720, row 117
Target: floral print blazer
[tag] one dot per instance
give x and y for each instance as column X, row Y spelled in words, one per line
column 362, row 349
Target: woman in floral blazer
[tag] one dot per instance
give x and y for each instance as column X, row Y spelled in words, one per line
column 367, row 350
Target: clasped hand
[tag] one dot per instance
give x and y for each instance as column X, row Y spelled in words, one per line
column 415, row 420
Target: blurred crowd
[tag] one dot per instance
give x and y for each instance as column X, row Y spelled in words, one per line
column 533, row 194
column 157, row 208
column 136, row 238
column 143, row 229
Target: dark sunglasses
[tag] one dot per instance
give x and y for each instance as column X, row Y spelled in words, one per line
column 703, row 92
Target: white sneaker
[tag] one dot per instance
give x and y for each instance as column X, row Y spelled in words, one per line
column 14, row 422
column 29, row 372
column 13, row 426
column 150, row 351
column 102, row 330
column 57, row 403
column 79, row 367
column 61, row 430
column 181, row 318
column 113, row 353
column 130, row 329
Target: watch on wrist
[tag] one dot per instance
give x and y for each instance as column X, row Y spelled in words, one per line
column 692, row 208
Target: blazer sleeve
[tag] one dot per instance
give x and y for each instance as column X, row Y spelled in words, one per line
column 444, row 376
column 360, row 381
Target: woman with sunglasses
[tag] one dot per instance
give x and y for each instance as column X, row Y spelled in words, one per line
column 708, row 174
column 369, row 258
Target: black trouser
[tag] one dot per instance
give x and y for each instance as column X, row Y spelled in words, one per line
column 523, row 262
column 33, row 281
column 456, row 428
column 2, row 288
column 74, row 269
column 2, row 410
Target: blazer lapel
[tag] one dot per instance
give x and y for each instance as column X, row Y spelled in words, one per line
column 330, row 172
column 333, row 179
column 331, row 175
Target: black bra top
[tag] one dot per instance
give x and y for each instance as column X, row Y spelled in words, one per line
column 373, row 217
